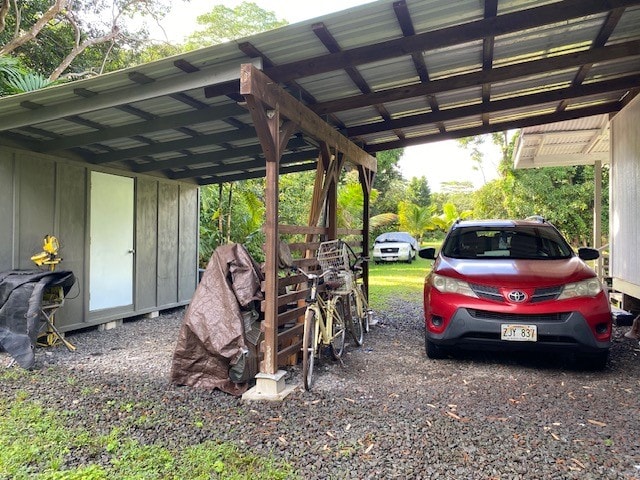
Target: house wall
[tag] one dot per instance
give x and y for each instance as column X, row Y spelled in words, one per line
column 625, row 200
column 42, row 195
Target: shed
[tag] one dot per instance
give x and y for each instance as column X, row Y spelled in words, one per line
column 310, row 96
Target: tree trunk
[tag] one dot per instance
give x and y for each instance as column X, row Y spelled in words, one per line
column 29, row 35
column 229, row 213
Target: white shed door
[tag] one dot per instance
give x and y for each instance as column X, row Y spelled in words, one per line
column 111, row 243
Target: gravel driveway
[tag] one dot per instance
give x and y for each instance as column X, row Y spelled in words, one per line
column 388, row 412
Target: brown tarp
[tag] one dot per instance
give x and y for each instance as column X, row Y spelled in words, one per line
column 212, row 335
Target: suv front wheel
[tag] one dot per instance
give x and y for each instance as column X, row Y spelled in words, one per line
column 434, row 351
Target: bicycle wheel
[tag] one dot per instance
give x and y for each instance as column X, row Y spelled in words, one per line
column 308, row 347
column 337, row 328
column 353, row 320
column 363, row 309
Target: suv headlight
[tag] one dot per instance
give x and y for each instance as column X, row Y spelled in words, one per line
column 451, row 285
column 586, row 288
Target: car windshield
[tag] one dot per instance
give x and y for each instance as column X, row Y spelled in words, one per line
column 392, row 237
column 530, row 242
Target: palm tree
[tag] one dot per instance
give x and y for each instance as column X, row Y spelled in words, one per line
column 448, row 217
column 16, row 79
column 415, row 219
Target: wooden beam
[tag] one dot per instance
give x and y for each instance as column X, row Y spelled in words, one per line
column 173, row 146
column 126, row 95
column 555, row 12
column 406, row 25
column 619, row 84
column 163, row 123
column 500, row 126
column 473, row 79
column 260, row 173
column 239, row 166
column 222, row 158
column 255, row 83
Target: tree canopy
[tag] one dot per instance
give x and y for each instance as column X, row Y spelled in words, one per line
column 53, row 38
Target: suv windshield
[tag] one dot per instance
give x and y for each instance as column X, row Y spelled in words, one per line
column 530, row 242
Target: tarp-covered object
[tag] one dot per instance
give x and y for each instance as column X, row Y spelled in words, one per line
column 212, row 336
column 21, row 314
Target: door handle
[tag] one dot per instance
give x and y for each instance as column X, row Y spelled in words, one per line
column 132, row 251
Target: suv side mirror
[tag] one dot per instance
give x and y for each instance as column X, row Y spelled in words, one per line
column 428, row 253
column 587, row 253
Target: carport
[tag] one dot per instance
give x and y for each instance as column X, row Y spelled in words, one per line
column 320, row 95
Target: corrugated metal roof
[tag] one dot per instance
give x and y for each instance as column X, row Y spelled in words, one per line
column 583, row 141
column 386, row 74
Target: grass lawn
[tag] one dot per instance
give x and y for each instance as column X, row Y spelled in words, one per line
column 396, row 281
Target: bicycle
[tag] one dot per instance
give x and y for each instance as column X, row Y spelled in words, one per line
column 358, row 304
column 323, row 326
column 333, row 255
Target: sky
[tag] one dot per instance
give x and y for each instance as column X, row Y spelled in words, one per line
column 438, row 162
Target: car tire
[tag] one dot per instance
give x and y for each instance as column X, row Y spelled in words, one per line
column 435, row 352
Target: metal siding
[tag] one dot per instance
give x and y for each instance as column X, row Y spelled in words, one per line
column 146, row 243
column 36, row 205
column 167, row 244
column 625, row 196
column 6, row 210
column 188, row 241
column 71, row 190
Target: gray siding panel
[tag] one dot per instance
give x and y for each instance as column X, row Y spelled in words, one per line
column 625, row 194
column 6, row 211
column 146, row 243
column 41, row 195
column 168, row 212
column 71, row 232
column 36, row 204
column 188, row 251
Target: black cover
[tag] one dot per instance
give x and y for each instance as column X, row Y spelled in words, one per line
column 21, row 309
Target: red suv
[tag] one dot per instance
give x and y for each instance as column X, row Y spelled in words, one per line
column 510, row 284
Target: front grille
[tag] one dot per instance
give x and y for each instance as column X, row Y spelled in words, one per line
column 389, row 250
column 517, row 318
column 544, row 294
column 493, row 293
column 486, row 292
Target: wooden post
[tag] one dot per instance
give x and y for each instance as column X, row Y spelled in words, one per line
column 366, row 181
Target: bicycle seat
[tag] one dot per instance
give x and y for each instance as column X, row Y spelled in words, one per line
column 333, row 284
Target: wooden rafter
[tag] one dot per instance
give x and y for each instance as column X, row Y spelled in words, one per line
column 605, row 32
column 610, row 107
column 406, row 25
column 575, row 92
column 474, row 79
column 490, row 11
column 446, row 37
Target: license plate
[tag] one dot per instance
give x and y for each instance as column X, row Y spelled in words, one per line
column 519, row 333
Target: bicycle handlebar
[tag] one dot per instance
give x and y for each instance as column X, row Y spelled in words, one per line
column 313, row 276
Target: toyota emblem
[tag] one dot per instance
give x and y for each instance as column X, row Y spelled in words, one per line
column 517, row 296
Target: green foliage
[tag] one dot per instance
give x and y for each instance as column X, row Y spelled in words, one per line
column 563, row 195
column 223, row 24
column 449, row 215
column 418, row 191
column 415, row 219
column 472, row 144
column 14, row 78
column 389, row 184
column 99, row 35
column 232, row 213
